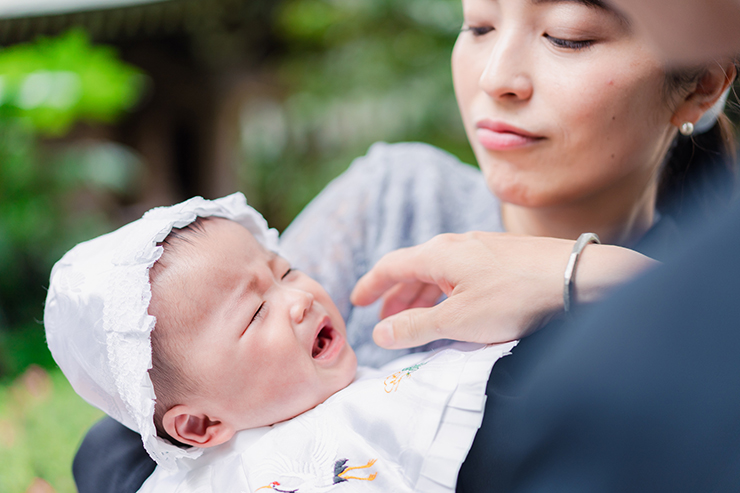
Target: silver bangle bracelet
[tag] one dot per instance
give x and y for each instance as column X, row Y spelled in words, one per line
column 570, row 269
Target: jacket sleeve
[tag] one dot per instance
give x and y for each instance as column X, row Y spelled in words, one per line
column 639, row 393
column 111, row 459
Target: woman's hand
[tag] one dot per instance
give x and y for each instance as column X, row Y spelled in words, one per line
column 499, row 286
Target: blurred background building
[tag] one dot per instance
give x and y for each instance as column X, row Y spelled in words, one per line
column 202, row 59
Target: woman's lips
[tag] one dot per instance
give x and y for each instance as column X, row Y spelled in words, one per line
column 498, row 136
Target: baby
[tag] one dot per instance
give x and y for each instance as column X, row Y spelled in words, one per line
column 241, row 339
column 193, row 304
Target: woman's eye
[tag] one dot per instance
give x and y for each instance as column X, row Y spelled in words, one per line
column 478, row 30
column 569, row 44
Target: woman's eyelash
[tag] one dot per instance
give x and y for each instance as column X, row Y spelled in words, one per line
column 570, row 44
column 477, row 30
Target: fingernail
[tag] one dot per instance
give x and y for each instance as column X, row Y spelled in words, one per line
column 383, row 334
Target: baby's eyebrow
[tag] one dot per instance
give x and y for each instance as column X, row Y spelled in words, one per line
column 254, row 284
column 272, row 257
column 275, row 261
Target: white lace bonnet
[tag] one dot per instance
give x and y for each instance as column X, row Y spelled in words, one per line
column 96, row 319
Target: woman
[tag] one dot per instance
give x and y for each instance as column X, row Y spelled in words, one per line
column 546, row 92
column 570, row 118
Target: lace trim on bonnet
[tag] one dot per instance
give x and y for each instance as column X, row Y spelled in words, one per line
column 97, row 325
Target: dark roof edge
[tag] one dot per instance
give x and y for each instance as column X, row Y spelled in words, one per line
column 18, row 9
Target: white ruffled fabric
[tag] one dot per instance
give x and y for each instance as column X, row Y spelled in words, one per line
column 97, row 325
column 404, row 428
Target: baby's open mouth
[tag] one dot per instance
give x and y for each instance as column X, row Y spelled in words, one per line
column 323, row 341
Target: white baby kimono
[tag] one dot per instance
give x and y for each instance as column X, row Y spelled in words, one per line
column 406, row 427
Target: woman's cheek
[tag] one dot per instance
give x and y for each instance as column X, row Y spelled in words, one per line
column 592, row 115
column 466, row 73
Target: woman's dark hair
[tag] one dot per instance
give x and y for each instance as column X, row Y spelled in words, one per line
column 699, row 177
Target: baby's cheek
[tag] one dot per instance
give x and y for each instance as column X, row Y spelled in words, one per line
column 347, row 370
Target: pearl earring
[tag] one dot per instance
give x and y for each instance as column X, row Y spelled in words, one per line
column 687, row 128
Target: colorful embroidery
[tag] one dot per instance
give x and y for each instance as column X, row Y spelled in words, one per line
column 274, row 487
column 340, row 476
column 340, row 471
column 392, row 382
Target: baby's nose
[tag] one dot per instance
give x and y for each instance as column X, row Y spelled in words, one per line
column 302, row 302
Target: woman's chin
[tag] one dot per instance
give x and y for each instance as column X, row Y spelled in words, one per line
column 529, row 194
column 517, row 195
column 507, row 185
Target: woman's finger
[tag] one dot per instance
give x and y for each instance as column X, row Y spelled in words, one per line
column 400, row 266
column 428, row 296
column 409, row 295
column 410, row 328
column 400, row 297
column 454, row 318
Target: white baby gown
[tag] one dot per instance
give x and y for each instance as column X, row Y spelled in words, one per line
column 403, row 428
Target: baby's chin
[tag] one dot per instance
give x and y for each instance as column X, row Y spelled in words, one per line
column 340, row 379
column 346, row 370
column 353, row 364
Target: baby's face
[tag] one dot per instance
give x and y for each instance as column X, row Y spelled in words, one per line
column 263, row 342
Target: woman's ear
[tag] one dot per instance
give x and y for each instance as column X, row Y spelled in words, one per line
column 195, row 428
column 709, row 88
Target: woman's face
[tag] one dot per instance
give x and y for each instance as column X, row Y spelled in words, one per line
column 562, row 103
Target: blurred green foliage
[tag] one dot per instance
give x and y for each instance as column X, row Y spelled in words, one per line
column 355, row 72
column 54, row 83
column 48, row 193
column 42, row 421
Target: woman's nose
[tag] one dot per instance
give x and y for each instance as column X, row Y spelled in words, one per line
column 506, row 75
column 301, row 302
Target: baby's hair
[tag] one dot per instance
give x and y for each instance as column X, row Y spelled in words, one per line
column 171, row 383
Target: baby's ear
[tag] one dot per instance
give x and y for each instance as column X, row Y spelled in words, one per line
column 195, row 428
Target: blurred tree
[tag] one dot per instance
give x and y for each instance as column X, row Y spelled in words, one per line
column 47, row 196
column 355, row 72
column 54, row 83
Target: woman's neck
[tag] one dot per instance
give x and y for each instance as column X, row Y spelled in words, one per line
column 620, row 220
